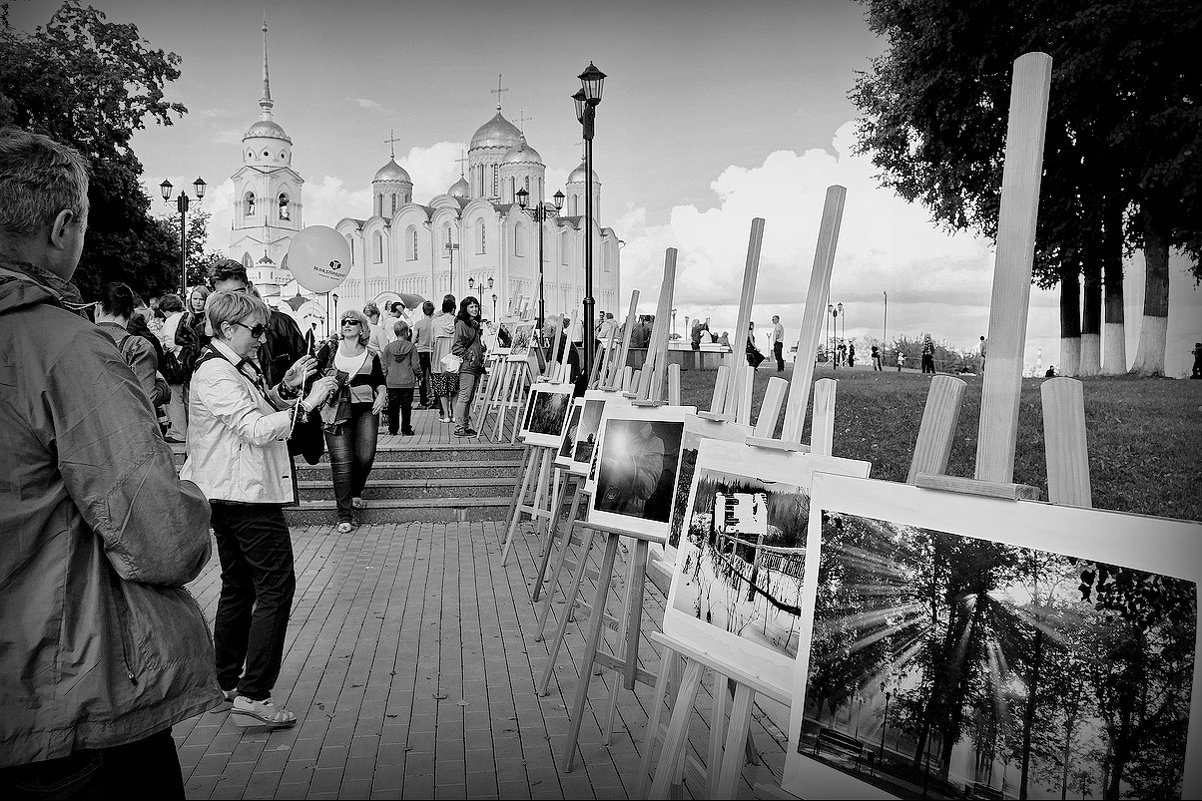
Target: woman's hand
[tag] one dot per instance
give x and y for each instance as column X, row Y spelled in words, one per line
column 380, row 402
column 300, row 372
column 321, row 391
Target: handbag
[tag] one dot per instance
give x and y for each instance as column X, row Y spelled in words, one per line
column 450, row 363
column 307, row 438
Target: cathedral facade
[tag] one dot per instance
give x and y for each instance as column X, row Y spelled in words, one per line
column 474, row 239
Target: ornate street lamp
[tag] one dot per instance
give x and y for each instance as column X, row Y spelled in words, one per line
column 539, row 214
column 839, row 306
column 592, row 82
column 182, row 203
column 834, row 313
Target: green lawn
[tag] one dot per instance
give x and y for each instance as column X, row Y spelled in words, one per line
column 1144, row 435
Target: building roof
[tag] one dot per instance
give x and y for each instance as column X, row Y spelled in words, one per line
column 266, row 128
column 392, row 172
column 522, row 153
column 497, row 132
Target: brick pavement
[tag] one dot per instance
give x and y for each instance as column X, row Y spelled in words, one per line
column 411, row 665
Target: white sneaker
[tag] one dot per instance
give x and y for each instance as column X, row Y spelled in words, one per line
column 260, row 713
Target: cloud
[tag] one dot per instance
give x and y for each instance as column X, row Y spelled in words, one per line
column 433, row 169
column 227, row 136
column 217, row 113
column 363, row 102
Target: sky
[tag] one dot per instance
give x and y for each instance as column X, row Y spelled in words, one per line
column 712, row 114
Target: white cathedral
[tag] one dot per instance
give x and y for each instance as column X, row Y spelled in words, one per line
column 474, row 239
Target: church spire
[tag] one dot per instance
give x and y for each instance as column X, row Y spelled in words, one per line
column 265, row 103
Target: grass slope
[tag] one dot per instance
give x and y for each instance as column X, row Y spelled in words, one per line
column 1144, row 435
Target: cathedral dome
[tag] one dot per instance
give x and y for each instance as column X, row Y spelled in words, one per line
column 579, row 174
column 392, row 172
column 522, row 153
column 459, row 188
column 266, row 128
column 497, row 132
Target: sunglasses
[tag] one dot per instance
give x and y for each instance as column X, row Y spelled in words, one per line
column 350, row 322
column 256, row 332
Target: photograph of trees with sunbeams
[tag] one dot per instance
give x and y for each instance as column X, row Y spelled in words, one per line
column 946, row 666
column 744, row 559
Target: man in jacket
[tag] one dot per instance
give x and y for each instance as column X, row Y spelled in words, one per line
column 102, row 649
column 285, row 343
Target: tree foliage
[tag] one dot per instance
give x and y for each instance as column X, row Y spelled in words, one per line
column 91, row 83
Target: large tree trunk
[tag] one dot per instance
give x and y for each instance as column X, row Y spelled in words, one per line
column 1114, row 335
column 1154, row 329
column 1091, row 317
column 1070, row 322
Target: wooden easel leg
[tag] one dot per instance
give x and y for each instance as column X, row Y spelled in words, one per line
column 559, row 563
column 628, row 602
column 736, row 736
column 517, row 508
column 566, row 615
column 634, row 610
column 717, row 726
column 544, row 556
column 678, row 731
column 517, row 484
column 666, row 662
column 595, row 631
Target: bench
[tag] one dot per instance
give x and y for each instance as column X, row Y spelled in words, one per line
column 984, row 792
column 839, row 742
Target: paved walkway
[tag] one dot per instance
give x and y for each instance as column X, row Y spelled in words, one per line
column 411, row 664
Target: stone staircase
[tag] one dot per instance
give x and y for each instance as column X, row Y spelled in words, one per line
column 427, row 482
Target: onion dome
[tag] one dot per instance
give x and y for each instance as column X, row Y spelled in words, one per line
column 578, row 175
column 522, row 153
column 392, row 172
column 268, row 129
column 459, row 188
column 497, row 132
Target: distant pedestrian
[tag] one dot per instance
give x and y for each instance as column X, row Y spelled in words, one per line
column 876, row 358
column 778, row 343
column 754, row 356
column 851, row 355
column 402, row 366
column 1050, row 372
column 352, row 422
column 724, row 340
column 841, row 352
column 469, row 347
column 377, row 338
column 423, row 342
column 984, row 342
column 444, row 383
column 1197, row 351
column 700, row 328
column 901, row 361
column 113, row 314
column 102, row 649
column 928, row 355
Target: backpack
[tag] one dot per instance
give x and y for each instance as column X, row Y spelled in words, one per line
column 182, row 366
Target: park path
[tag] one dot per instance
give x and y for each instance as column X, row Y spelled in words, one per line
column 411, row 664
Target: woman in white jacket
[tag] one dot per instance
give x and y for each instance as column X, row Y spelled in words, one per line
column 238, row 455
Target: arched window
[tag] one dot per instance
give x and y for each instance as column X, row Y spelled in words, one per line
column 481, row 245
column 285, row 209
column 377, row 242
column 527, row 183
column 393, row 205
column 248, row 204
column 513, row 188
column 411, row 240
column 350, row 240
column 496, row 181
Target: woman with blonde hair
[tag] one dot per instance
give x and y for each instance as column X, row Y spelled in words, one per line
column 238, row 456
column 353, row 422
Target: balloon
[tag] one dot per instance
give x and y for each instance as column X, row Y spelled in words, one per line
column 320, row 258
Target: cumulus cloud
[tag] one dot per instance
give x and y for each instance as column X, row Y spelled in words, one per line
column 367, row 103
column 227, row 136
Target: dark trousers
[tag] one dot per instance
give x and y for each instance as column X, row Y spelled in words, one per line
column 928, row 363
column 257, row 585
column 352, row 451
column 778, row 350
column 400, row 404
column 147, row 768
column 424, row 385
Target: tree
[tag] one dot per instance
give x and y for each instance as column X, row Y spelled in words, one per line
column 90, row 83
column 200, row 259
column 1122, row 143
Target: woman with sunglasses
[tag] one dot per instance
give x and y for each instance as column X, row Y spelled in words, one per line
column 238, row 455
column 469, row 347
column 353, row 423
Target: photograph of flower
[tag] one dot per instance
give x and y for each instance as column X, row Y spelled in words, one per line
column 947, row 664
column 547, row 413
column 737, row 584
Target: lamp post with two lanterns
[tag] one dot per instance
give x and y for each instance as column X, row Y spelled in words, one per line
column 181, row 203
column 592, row 81
column 471, row 283
column 539, row 214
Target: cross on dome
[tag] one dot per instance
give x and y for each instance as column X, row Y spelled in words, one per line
column 498, row 91
column 392, row 137
column 461, row 161
column 522, row 120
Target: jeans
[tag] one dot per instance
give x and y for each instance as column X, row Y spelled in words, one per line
column 463, row 401
column 257, row 585
column 400, row 403
column 352, row 450
column 147, row 767
column 424, row 383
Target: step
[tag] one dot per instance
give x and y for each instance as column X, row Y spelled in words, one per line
column 442, row 510
column 403, row 489
column 450, row 453
column 482, row 470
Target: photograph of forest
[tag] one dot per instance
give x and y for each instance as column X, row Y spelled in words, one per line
column 741, row 562
column 569, row 436
column 947, row 666
column 548, row 411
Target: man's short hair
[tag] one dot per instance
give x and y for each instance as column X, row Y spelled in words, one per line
column 428, row 308
column 371, row 310
column 38, row 178
column 401, row 329
column 226, row 270
column 235, row 307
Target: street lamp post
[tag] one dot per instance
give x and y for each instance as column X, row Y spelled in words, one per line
column 674, row 321
column 539, row 214
column 592, row 81
column 450, row 247
column 843, row 340
column 181, row 203
column 834, row 313
column 885, row 325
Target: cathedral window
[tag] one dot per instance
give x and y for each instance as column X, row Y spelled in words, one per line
column 350, row 240
column 377, row 242
column 411, row 240
column 513, row 189
column 480, row 243
column 496, row 181
column 393, row 204
column 527, row 183
column 285, row 209
column 248, row 203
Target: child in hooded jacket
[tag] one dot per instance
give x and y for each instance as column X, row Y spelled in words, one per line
column 402, row 369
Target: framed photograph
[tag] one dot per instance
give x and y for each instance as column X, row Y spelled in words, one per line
column 585, row 439
column 695, row 430
column 961, row 646
column 637, row 465
column 563, row 456
column 737, row 583
column 547, row 414
column 519, row 344
column 504, row 336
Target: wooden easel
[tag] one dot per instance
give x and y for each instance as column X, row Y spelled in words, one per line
column 725, row 759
